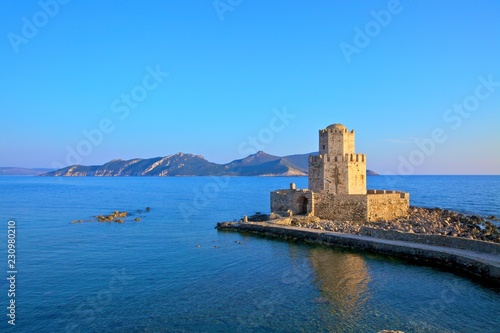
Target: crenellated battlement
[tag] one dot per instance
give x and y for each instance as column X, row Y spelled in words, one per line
column 402, row 195
column 335, row 130
column 327, row 158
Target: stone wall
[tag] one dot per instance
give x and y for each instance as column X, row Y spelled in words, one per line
column 340, row 207
column 438, row 240
column 375, row 206
column 316, row 173
column 357, row 174
column 338, row 174
column 386, row 205
column 378, row 205
column 298, row 201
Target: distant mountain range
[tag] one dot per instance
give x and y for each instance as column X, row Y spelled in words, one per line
column 180, row 164
column 13, row 171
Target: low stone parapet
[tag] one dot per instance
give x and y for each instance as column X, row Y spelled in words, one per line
column 438, row 240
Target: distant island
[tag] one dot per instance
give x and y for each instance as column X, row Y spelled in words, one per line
column 14, row 171
column 180, row 164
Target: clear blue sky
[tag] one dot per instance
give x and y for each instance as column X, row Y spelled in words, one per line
column 69, row 68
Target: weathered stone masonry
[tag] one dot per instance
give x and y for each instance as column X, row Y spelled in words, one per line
column 337, row 185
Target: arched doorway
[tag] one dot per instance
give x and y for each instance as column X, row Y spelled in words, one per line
column 303, row 202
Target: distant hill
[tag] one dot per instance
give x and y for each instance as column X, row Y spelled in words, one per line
column 13, row 171
column 180, row 164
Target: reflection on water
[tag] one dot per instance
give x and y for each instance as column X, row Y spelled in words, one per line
column 343, row 281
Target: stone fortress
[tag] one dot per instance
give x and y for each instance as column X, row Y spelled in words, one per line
column 337, row 185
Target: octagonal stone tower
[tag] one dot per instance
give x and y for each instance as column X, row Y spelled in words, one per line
column 337, row 169
column 337, row 185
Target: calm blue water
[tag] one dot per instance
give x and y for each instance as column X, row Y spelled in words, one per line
column 151, row 276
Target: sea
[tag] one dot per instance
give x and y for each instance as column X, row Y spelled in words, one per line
column 173, row 272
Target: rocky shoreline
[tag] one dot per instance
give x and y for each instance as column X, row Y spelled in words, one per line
column 116, row 216
column 429, row 221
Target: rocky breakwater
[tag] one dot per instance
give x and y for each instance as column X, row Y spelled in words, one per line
column 429, row 221
column 440, row 238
